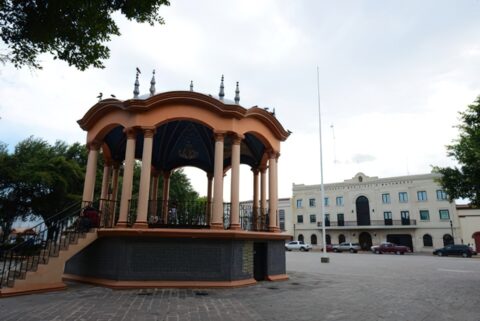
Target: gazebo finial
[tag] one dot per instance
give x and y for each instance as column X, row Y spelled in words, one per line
column 136, row 89
column 191, row 85
column 221, row 94
column 237, row 95
column 152, row 84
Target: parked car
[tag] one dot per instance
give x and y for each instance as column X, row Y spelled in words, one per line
column 346, row 246
column 329, row 248
column 388, row 247
column 298, row 245
column 454, row 249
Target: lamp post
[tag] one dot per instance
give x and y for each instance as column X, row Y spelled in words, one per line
column 451, row 227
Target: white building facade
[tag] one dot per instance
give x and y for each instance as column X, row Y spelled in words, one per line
column 409, row 210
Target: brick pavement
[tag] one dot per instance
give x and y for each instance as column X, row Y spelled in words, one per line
column 351, row 287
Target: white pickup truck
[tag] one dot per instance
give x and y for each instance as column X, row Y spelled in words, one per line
column 297, row 245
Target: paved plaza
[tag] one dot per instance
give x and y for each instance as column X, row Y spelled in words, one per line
column 350, row 287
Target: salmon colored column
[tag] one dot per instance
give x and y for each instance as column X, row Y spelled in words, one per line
column 263, row 192
column 154, row 196
column 209, row 197
column 235, row 185
column 144, row 190
column 256, row 206
column 272, row 190
column 166, row 195
column 127, row 177
column 90, row 175
column 217, row 215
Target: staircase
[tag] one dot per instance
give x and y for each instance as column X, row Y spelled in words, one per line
column 37, row 264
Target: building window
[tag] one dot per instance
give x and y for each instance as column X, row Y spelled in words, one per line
column 299, row 203
column 300, row 237
column 447, row 240
column 328, row 239
column 313, row 239
column 326, row 201
column 424, row 215
column 327, row 219
column 441, row 195
column 340, row 219
column 312, row 202
column 299, row 218
column 422, row 196
column 386, row 198
column 341, row 238
column 405, row 216
column 281, row 216
column 403, row 197
column 427, row 240
column 313, row 218
column 387, row 216
column 444, row 214
column 340, row 201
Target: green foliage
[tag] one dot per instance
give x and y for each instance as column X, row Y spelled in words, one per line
column 39, row 179
column 464, row 181
column 73, row 31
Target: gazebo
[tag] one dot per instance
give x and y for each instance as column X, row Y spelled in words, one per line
column 149, row 240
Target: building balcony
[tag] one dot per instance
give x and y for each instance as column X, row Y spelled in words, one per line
column 374, row 224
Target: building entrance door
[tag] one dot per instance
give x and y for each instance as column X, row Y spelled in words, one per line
column 365, row 240
column 259, row 261
column 401, row 239
column 476, row 237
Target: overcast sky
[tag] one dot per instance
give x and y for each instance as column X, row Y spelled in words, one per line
column 393, row 77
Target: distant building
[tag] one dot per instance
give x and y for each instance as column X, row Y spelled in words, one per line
column 469, row 219
column 409, row 210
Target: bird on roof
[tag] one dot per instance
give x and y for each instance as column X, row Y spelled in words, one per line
column 273, row 112
column 266, row 108
column 113, row 96
column 100, row 95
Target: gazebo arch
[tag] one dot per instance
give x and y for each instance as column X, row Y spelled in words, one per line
column 176, row 129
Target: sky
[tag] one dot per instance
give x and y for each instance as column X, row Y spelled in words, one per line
column 393, row 76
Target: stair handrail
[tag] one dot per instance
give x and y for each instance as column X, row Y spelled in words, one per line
column 47, row 242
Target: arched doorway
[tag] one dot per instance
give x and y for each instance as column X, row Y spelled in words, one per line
column 300, row 237
column 313, row 239
column 427, row 240
column 365, row 240
column 476, row 237
column 447, row 239
column 341, row 238
column 328, row 239
column 363, row 211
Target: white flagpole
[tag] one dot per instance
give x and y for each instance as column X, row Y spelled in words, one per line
column 325, row 258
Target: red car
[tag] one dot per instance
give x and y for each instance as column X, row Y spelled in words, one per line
column 329, row 248
column 387, row 247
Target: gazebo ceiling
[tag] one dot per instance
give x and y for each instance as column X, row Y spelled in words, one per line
column 182, row 143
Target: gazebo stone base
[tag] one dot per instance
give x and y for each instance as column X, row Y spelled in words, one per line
column 156, row 261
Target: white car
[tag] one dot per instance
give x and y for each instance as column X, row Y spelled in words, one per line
column 298, row 245
column 347, row 246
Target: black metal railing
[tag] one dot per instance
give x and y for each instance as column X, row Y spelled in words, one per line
column 48, row 239
column 109, row 212
column 132, row 212
column 372, row 223
column 191, row 214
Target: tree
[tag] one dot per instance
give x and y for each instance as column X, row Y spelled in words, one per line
column 464, row 181
column 39, row 179
column 73, row 31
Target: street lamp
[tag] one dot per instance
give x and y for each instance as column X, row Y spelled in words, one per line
column 451, row 227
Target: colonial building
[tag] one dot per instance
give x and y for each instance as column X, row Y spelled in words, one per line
column 410, row 210
column 469, row 218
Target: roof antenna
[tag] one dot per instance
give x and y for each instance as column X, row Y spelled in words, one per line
column 191, row 85
column 152, row 84
column 237, row 95
column 221, row 94
column 136, row 89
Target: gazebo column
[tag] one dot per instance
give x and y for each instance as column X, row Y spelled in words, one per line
column 272, row 191
column 154, row 195
column 209, row 197
column 165, row 195
column 217, row 215
column 235, row 184
column 107, row 171
column 127, row 177
column 91, row 173
column 263, row 195
column 144, row 190
column 256, row 211
column 113, row 204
